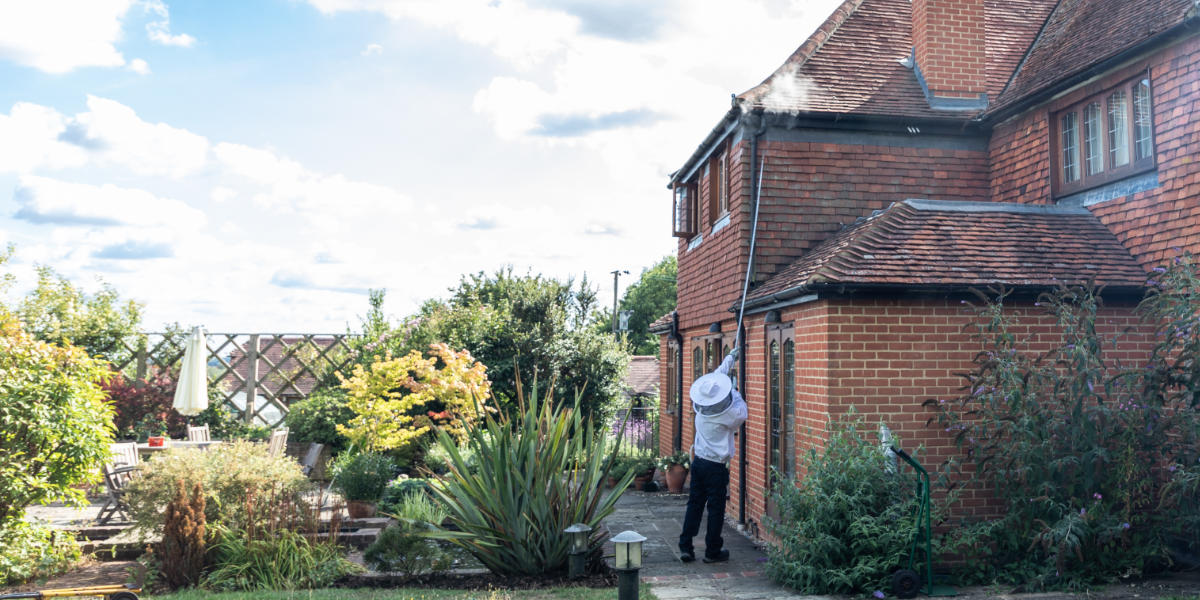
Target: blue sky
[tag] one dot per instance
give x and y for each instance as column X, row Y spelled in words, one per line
column 257, row 166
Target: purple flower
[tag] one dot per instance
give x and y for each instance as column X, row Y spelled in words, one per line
column 1151, row 282
column 1124, row 525
column 878, row 594
column 1171, row 468
column 1157, row 270
column 1097, row 496
column 1082, row 512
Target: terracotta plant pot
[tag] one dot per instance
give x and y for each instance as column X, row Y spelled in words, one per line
column 359, row 509
column 639, row 481
column 676, row 475
column 155, row 441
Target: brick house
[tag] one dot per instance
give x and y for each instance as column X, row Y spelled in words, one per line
column 911, row 151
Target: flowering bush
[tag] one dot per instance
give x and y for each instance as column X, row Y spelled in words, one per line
column 1095, row 461
column 397, row 401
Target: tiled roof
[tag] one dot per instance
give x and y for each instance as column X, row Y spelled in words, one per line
column 928, row 243
column 662, row 323
column 642, row 378
column 1082, row 33
column 851, row 63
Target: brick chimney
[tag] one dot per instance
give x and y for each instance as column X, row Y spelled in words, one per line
column 950, row 51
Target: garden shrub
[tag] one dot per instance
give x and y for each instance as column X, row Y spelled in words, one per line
column 401, row 548
column 274, row 559
column 1095, row 461
column 229, row 474
column 848, row 524
column 399, row 490
column 55, row 427
column 316, row 418
column 397, row 402
column 510, row 512
column 146, row 408
column 31, row 550
column 362, row 477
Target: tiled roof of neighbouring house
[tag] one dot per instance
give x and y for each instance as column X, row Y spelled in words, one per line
column 851, row 63
column 642, row 379
column 1082, row 33
column 939, row 244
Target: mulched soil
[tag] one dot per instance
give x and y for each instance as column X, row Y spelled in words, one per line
column 89, row 573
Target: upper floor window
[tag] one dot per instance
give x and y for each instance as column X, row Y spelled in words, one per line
column 718, row 185
column 687, row 211
column 1103, row 138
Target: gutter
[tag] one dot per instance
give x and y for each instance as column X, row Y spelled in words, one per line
column 1189, row 26
column 701, row 151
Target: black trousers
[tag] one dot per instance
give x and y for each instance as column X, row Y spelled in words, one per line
column 710, row 487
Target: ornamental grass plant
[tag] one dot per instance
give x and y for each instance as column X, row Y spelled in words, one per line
column 529, row 485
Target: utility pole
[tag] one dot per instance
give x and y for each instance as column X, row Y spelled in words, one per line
column 616, row 275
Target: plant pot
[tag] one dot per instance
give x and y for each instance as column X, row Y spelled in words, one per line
column 155, row 441
column 676, row 475
column 359, row 509
column 639, row 481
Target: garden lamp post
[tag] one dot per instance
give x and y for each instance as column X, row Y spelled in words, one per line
column 628, row 561
column 578, row 534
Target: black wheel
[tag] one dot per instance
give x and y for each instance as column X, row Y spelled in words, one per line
column 906, row 583
column 123, row 596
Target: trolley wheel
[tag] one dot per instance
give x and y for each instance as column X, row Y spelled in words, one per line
column 906, row 583
column 123, row 596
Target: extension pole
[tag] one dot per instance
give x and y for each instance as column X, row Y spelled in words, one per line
column 750, row 263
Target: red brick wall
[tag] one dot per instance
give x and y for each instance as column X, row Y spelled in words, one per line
column 811, row 189
column 710, row 276
column 884, row 357
column 948, row 39
column 1151, row 223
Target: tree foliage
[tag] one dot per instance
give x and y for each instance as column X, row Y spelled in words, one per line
column 60, row 313
column 650, row 297
column 396, row 401
column 55, row 426
column 531, row 324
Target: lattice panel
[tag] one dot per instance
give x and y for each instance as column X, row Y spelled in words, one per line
column 274, row 368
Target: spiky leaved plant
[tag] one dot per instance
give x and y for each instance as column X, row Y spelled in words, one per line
column 527, row 486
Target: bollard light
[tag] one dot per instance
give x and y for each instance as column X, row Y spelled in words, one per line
column 629, row 549
column 578, row 534
column 628, row 545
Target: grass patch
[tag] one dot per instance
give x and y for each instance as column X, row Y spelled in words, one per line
column 560, row 593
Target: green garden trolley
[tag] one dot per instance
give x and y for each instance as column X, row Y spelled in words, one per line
column 906, row 583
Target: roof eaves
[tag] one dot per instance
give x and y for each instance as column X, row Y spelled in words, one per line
column 723, row 127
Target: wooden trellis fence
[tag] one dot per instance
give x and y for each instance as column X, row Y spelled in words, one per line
column 256, row 374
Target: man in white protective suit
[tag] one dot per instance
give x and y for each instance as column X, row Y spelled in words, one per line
column 720, row 410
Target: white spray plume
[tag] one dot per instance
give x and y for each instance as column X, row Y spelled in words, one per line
column 788, row 91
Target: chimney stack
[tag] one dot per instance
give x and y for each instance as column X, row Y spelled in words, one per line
column 950, row 51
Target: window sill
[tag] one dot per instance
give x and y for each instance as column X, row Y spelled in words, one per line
column 1112, row 191
column 721, row 223
column 695, row 243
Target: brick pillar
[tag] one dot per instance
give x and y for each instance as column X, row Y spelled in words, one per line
column 949, row 43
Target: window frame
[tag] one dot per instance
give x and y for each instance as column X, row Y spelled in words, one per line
column 685, row 202
column 718, row 184
column 1077, row 104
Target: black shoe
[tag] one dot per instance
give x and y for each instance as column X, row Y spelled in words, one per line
column 721, row 556
column 687, row 555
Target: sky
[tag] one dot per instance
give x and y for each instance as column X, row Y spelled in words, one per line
column 258, row 166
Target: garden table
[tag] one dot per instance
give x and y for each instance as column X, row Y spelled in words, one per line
column 146, row 450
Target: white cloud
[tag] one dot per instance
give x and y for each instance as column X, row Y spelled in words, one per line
column 58, row 36
column 139, row 66
column 159, row 31
column 372, row 50
column 286, row 186
column 29, row 139
column 121, row 137
column 43, row 200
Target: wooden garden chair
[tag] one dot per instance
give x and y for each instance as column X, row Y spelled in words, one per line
column 198, row 434
column 117, row 473
column 278, row 442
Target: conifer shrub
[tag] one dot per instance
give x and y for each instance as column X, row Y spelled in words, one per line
column 181, row 551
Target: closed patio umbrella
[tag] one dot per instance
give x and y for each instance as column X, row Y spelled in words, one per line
column 191, row 391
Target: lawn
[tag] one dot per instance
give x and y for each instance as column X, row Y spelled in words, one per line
column 560, row 593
